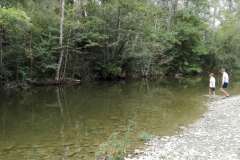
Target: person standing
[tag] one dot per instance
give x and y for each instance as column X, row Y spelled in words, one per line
column 212, row 85
column 225, row 81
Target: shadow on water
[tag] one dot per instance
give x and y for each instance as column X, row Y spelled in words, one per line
column 71, row 121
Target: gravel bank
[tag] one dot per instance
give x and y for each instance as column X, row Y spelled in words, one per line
column 215, row 136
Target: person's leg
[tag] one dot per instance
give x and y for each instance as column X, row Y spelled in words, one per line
column 223, row 89
column 210, row 92
column 213, row 93
column 224, row 93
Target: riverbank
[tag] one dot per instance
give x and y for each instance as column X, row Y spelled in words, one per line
column 16, row 86
column 215, row 136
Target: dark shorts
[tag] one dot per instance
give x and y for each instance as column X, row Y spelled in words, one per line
column 211, row 89
column 225, row 85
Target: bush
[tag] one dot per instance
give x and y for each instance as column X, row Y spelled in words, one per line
column 113, row 149
column 145, row 136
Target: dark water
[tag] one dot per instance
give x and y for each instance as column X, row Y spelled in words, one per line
column 70, row 122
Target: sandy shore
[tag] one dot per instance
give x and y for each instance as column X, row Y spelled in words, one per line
column 214, row 136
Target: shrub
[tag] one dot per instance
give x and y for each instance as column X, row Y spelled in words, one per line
column 145, row 136
column 113, row 149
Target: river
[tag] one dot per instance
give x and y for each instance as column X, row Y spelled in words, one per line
column 69, row 122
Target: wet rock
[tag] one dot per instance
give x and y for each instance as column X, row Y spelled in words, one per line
column 137, row 151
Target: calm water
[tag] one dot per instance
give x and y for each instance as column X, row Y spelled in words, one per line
column 70, row 122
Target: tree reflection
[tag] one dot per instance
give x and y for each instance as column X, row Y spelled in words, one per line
column 76, row 119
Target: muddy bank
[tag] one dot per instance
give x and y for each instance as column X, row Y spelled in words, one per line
column 24, row 85
column 215, row 136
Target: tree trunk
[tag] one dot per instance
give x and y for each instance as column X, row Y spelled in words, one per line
column 116, row 38
column 106, row 41
column 60, row 42
column 123, row 73
column 66, row 56
column 68, row 43
column 134, row 43
column 124, row 52
column 175, row 13
column 1, row 48
column 214, row 17
column 146, row 74
column 169, row 15
column 230, row 5
column 186, row 3
column 30, row 50
column 105, row 58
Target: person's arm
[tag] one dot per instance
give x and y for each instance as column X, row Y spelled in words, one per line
column 212, row 84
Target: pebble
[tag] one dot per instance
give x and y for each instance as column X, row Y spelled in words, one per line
column 137, row 151
column 216, row 136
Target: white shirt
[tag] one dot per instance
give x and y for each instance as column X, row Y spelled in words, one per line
column 225, row 75
column 212, row 82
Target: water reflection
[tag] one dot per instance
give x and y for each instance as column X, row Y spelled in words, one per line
column 70, row 122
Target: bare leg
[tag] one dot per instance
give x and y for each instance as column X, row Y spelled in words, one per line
column 224, row 92
column 210, row 93
column 213, row 93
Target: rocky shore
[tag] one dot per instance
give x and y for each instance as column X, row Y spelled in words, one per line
column 215, row 136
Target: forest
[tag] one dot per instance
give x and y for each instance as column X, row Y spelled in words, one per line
column 111, row 39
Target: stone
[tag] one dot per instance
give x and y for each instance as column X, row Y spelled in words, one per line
column 214, row 136
column 137, row 151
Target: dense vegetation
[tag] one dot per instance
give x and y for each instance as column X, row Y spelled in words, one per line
column 42, row 39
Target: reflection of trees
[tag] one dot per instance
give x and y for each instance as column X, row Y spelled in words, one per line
column 59, row 101
column 144, row 82
column 65, row 114
column 3, row 117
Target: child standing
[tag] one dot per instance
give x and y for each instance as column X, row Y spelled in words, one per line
column 225, row 82
column 212, row 85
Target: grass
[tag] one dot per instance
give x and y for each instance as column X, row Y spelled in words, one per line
column 145, row 136
column 113, row 149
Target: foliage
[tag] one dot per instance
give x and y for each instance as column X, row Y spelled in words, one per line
column 115, row 38
column 189, row 48
column 113, row 149
column 227, row 41
column 10, row 16
column 145, row 136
